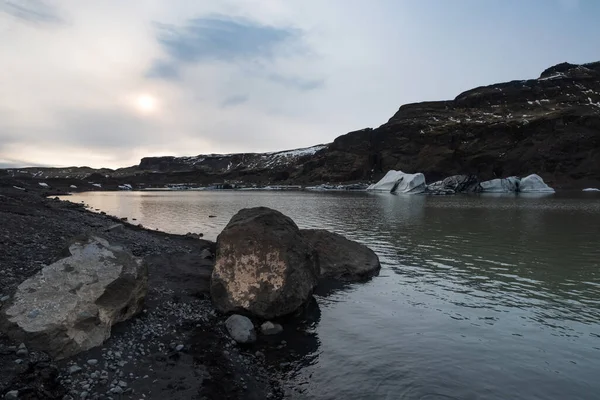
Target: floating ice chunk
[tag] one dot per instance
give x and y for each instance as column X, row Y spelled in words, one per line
column 534, row 184
column 73, row 187
column 125, row 186
column 19, row 188
column 505, row 185
column 97, row 185
column 400, row 182
column 42, row 184
column 591, row 190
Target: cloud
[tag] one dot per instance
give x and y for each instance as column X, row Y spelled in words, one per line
column 33, row 11
column 216, row 38
column 296, row 82
column 235, row 100
column 105, row 129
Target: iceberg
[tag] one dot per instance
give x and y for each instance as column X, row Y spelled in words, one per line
column 504, row 185
column 400, row 182
column 534, row 184
column 591, row 190
column 455, row 184
column 530, row 184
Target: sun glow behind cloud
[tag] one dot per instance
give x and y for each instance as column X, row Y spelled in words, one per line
column 146, row 103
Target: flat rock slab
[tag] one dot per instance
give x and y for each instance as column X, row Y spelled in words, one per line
column 70, row 306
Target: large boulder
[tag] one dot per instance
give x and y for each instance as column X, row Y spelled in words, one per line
column 341, row 258
column 264, row 266
column 70, row 306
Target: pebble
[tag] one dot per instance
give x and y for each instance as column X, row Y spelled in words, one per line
column 3, row 299
column 83, row 395
column 92, row 361
column 13, row 394
column 179, row 347
column 116, row 390
column 22, row 351
column 123, row 384
column 19, row 361
column 74, row 369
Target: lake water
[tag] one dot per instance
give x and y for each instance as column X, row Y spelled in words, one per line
column 479, row 297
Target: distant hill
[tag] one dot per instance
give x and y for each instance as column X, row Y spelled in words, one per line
column 549, row 126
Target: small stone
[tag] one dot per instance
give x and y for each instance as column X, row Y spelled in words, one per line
column 179, row 347
column 84, row 395
column 269, row 328
column 74, row 369
column 115, row 228
column 241, row 329
column 92, row 361
column 19, row 361
column 117, row 354
column 123, row 384
column 116, row 390
column 12, row 395
column 22, row 351
column 3, row 299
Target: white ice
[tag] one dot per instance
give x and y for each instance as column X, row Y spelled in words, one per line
column 534, row 184
column 505, row 185
column 400, row 182
column 591, row 190
column 42, row 184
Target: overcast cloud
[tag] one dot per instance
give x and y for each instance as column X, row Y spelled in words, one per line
column 104, row 83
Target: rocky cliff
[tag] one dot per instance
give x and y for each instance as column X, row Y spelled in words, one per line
column 549, row 126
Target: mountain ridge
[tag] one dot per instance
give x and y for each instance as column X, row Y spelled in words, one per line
column 549, row 126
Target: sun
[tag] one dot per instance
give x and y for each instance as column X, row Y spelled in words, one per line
column 146, row 103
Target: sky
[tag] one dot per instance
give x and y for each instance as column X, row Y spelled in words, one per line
column 105, row 83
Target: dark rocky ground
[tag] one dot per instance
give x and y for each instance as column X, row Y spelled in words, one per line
column 177, row 348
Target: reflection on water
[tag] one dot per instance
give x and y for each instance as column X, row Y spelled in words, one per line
column 494, row 297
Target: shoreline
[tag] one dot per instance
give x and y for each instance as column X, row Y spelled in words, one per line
column 141, row 356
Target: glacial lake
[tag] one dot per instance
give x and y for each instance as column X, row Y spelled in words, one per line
column 479, row 297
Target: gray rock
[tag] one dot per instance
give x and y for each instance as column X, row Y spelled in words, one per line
column 205, row 254
column 4, row 299
column 263, row 265
column 123, row 384
column 84, row 395
column 115, row 228
column 92, row 361
column 241, row 329
column 77, row 299
column 22, row 350
column 12, row 395
column 179, row 347
column 269, row 328
column 116, row 390
column 341, row 258
column 74, row 369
